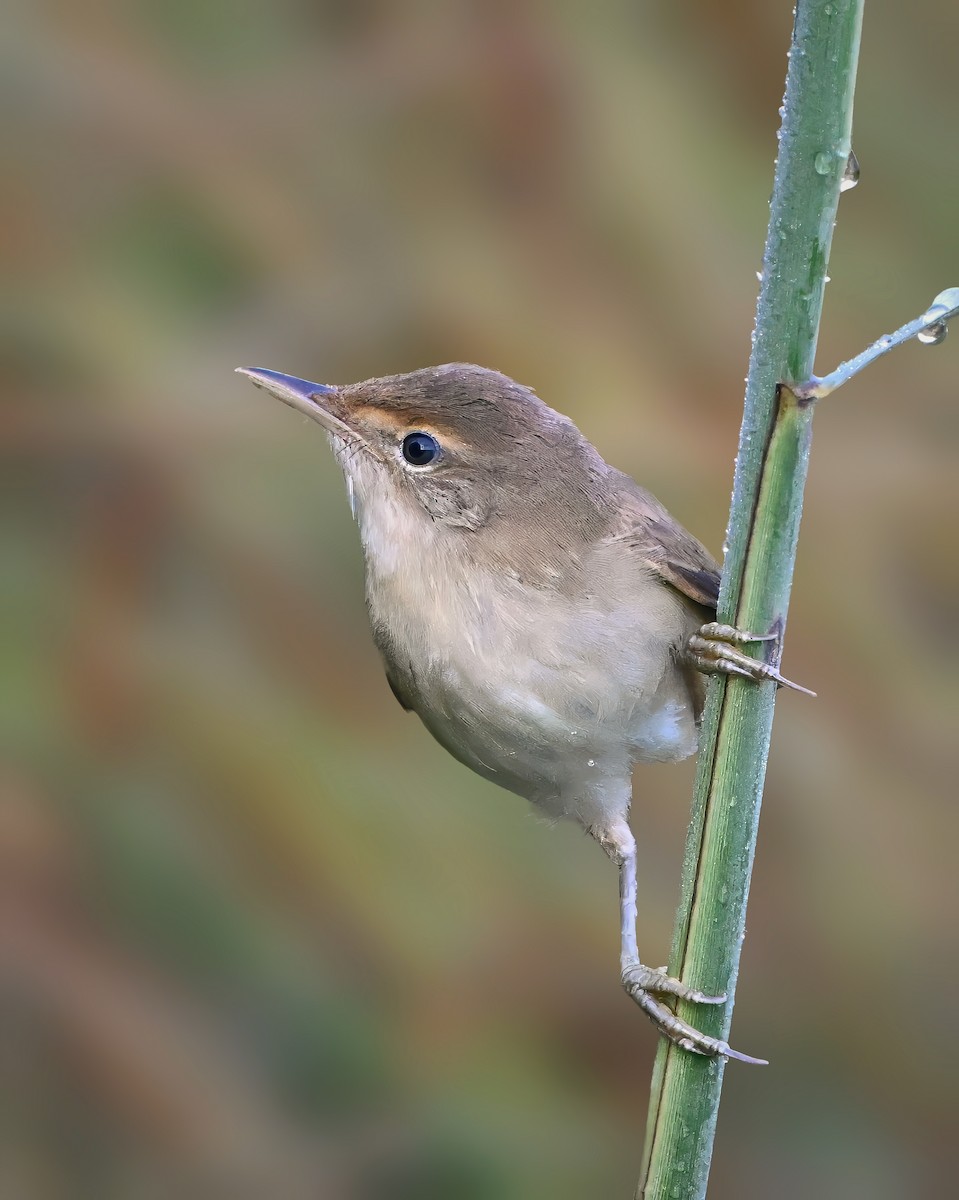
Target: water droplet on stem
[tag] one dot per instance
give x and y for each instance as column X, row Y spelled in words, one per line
column 935, row 332
column 932, row 335
column 850, row 176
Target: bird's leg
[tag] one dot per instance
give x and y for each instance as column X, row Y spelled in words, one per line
column 646, row 984
column 713, row 650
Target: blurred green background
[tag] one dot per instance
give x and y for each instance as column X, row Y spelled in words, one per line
column 262, row 937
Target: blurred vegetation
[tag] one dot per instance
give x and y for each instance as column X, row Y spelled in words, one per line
column 261, row 937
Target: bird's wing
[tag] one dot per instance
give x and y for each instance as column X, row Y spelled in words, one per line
column 664, row 546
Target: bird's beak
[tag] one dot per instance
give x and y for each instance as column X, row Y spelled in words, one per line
column 309, row 398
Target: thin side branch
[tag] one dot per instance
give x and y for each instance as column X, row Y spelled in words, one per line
column 931, row 328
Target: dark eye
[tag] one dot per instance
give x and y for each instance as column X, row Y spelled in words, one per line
column 419, row 449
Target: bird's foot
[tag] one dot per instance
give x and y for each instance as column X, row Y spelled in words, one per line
column 713, row 650
column 645, row 984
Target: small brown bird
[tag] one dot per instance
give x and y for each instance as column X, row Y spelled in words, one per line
column 544, row 616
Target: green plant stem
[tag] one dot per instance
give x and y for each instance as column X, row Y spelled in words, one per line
column 757, row 575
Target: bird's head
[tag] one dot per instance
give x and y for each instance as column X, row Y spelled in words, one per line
column 456, row 446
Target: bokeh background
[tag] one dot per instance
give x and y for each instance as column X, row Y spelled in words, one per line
column 261, row 937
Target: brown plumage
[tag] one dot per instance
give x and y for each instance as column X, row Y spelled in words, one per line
column 537, row 609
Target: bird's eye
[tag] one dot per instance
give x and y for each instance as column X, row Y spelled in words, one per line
column 420, row 449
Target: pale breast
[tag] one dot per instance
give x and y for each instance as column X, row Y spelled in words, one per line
column 531, row 686
column 527, row 686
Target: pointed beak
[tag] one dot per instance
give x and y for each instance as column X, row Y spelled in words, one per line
column 305, row 397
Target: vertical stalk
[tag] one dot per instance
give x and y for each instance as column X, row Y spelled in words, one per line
column 757, row 575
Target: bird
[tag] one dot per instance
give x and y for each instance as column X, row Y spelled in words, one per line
column 546, row 618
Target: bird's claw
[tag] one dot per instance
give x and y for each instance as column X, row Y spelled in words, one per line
column 713, row 650
column 646, row 984
column 657, row 982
